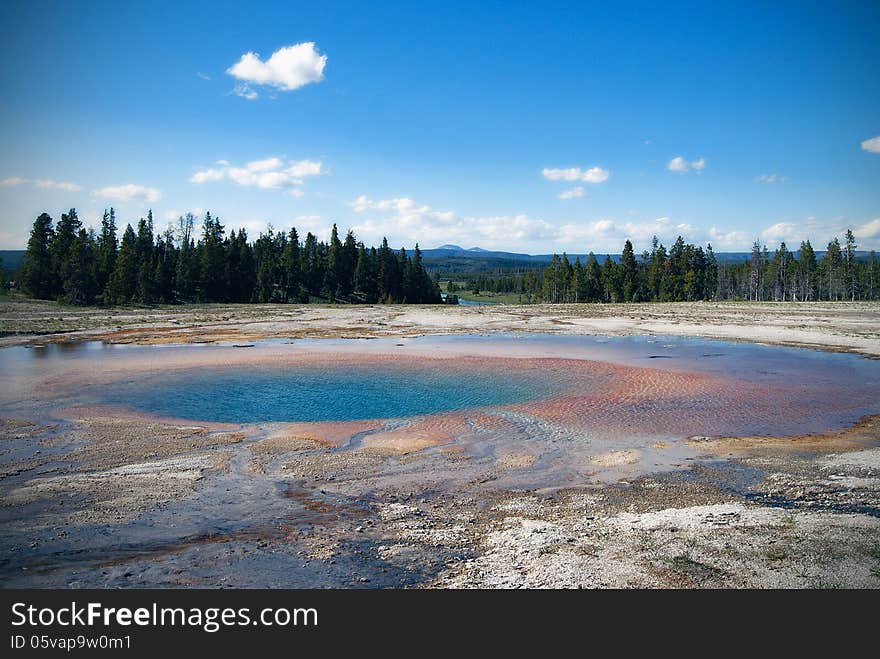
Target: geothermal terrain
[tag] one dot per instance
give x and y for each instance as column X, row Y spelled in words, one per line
column 622, row 475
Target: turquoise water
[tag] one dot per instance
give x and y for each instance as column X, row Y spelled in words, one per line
column 767, row 389
column 327, row 394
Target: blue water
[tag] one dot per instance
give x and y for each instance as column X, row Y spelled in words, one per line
column 810, row 389
column 333, row 394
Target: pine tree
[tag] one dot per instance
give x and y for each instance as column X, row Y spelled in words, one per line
column 105, row 250
column 806, row 271
column 37, row 268
column 78, row 272
column 145, row 260
column 212, row 261
column 292, row 268
column 122, row 287
column 628, row 272
column 61, row 247
column 334, row 273
column 850, row 262
column 711, row 273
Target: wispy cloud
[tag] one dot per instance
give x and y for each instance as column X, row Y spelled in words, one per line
column 172, row 215
column 129, row 192
column 872, row 144
column 46, row 184
column 287, row 69
column 591, row 175
column 42, row 184
column 869, row 230
column 202, row 75
column 682, row 166
column 572, row 193
column 770, row 178
column 270, row 173
column 245, row 92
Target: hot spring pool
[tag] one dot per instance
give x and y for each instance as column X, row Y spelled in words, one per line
column 307, row 393
column 536, row 385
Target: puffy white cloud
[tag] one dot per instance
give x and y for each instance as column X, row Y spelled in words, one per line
column 788, row 232
column 270, row 173
column 730, row 240
column 46, row 184
column 129, row 192
column 591, row 175
column 208, row 175
column 403, row 222
column 266, row 165
column 608, row 235
column 12, row 181
column 682, row 166
column 770, row 178
column 819, row 232
column 286, row 69
column 872, row 145
column 572, row 193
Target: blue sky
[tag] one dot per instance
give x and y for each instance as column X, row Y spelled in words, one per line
column 532, row 127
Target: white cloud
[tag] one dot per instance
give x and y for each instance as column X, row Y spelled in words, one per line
column 680, row 165
column 270, row 173
column 783, row 231
column 770, row 178
column 265, row 165
column 202, row 75
column 286, row 69
column 403, row 222
column 46, row 184
column 42, row 184
column 129, row 192
column 819, row 232
column 572, row 193
column 172, row 215
column 208, row 175
column 872, row 145
column 295, row 192
column 729, row 240
column 869, row 230
column 591, row 175
column 245, row 92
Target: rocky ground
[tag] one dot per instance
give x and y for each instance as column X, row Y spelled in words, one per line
column 842, row 326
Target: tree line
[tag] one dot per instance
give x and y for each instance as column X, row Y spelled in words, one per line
column 67, row 262
column 687, row 272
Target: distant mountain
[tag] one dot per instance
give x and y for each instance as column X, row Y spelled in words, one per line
column 452, row 258
column 456, row 248
column 12, row 258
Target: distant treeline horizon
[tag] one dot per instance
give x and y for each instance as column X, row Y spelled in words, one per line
column 69, row 263
column 66, row 262
column 687, row 272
